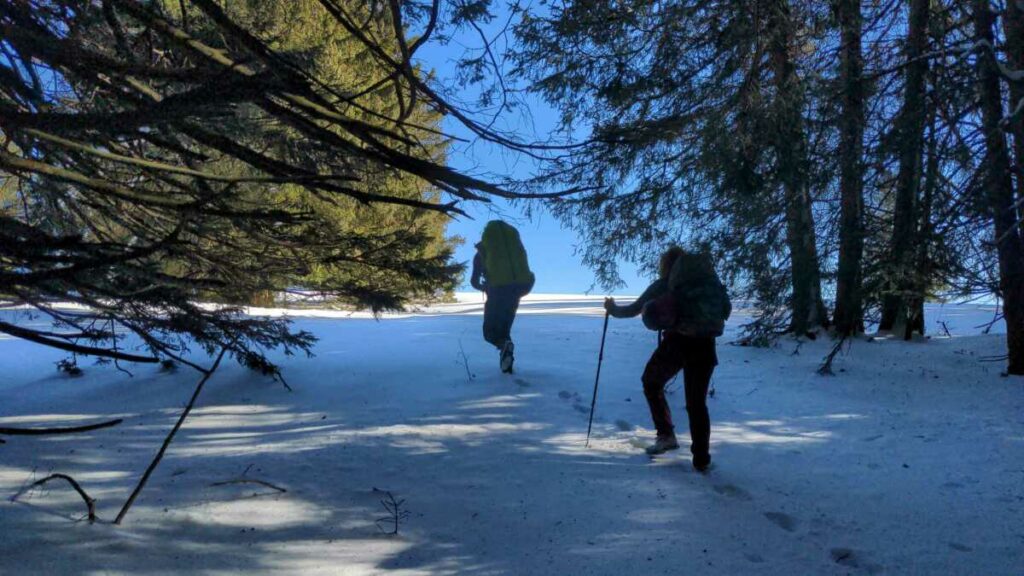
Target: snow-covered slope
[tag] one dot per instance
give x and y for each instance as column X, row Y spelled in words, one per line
column 909, row 461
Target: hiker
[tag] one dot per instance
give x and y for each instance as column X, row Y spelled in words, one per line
column 688, row 305
column 501, row 270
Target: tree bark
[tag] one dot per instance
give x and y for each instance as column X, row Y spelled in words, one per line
column 791, row 150
column 923, row 259
column 910, row 131
column 1013, row 28
column 997, row 189
column 849, row 303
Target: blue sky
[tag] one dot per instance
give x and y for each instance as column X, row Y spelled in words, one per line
column 552, row 250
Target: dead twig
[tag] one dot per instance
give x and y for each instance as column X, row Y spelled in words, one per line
column 62, row 430
column 945, row 328
column 996, row 317
column 170, row 436
column 90, row 503
column 826, row 366
column 465, row 362
column 395, row 513
column 250, row 481
column 796, row 351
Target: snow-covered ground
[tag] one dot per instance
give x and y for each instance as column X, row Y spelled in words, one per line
column 909, row 461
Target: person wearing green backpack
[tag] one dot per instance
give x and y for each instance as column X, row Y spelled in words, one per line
column 688, row 306
column 502, row 271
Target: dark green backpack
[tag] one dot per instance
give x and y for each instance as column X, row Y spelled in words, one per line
column 505, row 259
column 695, row 302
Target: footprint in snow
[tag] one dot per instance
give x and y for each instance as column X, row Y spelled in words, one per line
column 733, row 492
column 782, row 520
column 853, row 559
column 522, row 383
column 960, row 547
column 623, row 425
column 565, row 395
column 844, row 557
column 581, row 408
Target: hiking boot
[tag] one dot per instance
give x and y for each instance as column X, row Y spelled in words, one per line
column 663, row 444
column 702, row 463
column 506, row 357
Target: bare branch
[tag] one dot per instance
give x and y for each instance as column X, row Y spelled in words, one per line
column 90, row 503
column 60, row 430
column 170, row 436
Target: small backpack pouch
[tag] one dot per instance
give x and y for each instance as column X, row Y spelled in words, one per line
column 661, row 313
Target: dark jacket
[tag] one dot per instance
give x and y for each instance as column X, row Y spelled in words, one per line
column 696, row 350
column 659, row 287
column 695, row 311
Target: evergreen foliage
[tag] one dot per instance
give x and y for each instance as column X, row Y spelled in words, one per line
column 795, row 140
column 152, row 158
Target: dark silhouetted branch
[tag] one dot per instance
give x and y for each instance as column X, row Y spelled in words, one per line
column 90, row 503
column 60, row 430
column 170, row 437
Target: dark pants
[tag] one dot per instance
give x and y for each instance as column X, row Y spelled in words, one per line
column 500, row 312
column 697, row 358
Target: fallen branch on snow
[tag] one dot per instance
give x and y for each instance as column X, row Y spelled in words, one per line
column 90, row 503
column 61, row 430
column 945, row 328
column 170, row 436
column 796, row 351
column 249, row 481
column 826, row 366
column 465, row 362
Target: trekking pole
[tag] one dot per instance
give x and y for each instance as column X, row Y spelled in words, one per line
column 600, row 357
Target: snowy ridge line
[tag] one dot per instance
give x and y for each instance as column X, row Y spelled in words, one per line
column 472, row 304
column 465, row 304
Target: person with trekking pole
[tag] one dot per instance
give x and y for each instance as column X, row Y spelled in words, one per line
column 501, row 271
column 689, row 305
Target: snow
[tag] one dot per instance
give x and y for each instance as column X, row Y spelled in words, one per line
column 909, row 461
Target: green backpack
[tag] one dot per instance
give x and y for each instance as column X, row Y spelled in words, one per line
column 695, row 302
column 505, row 260
column 702, row 301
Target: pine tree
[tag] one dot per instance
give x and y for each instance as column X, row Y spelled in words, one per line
column 996, row 189
column 138, row 143
column 896, row 309
column 307, row 31
column 698, row 115
column 790, row 143
column 849, row 315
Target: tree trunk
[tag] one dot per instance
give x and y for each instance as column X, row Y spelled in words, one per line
column 910, row 132
column 923, row 261
column 997, row 190
column 849, row 304
column 791, row 149
column 1013, row 27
